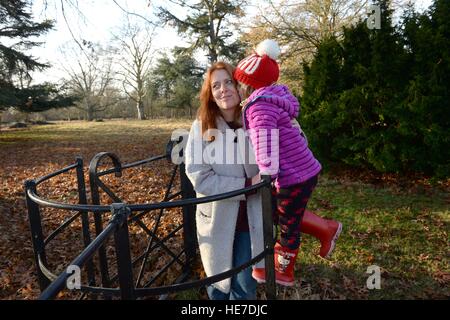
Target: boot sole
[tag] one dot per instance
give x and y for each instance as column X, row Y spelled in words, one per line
column 333, row 242
column 283, row 283
column 259, row 280
column 286, row 284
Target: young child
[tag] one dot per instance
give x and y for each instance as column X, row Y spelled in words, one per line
column 268, row 106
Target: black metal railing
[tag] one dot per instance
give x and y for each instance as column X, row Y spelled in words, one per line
column 117, row 227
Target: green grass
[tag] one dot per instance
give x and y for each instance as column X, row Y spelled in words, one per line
column 403, row 233
column 85, row 131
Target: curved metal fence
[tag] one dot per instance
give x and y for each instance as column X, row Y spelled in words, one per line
column 128, row 283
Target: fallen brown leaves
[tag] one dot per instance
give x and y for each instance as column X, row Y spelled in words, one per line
column 32, row 159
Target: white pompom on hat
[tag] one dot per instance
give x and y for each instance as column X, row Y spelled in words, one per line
column 269, row 47
column 260, row 69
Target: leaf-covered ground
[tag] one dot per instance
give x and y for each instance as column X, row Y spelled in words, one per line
column 32, row 153
column 399, row 224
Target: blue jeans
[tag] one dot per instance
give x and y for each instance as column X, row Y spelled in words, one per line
column 243, row 286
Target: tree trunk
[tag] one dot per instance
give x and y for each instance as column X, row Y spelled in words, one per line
column 212, row 39
column 90, row 113
column 151, row 108
column 140, row 109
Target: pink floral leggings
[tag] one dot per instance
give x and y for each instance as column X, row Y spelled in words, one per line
column 289, row 205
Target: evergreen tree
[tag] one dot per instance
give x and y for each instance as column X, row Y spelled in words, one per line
column 426, row 114
column 207, row 26
column 380, row 98
column 178, row 80
column 16, row 27
column 323, row 82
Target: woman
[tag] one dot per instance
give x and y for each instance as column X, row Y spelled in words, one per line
column 229, row 231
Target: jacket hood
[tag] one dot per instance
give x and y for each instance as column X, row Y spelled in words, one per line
column 279, row 95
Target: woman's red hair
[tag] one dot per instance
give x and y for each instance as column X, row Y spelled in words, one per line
column 209, row 111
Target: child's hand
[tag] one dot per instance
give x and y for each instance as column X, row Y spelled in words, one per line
column 256, row 179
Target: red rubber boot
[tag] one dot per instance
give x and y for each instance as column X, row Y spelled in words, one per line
column 284, row 264
column 259, row 274
column 326, row 230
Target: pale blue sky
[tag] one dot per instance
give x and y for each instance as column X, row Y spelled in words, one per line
column 102, row 17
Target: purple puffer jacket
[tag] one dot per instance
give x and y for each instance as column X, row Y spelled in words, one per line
column 285, row 157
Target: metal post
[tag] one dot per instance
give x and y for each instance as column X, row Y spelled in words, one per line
column 266, row 197
column 94, row 182
column 187, row 192
column 98, row 222
column 82, row 199
column 122, row 242
column 37, row 237
column 189, row 228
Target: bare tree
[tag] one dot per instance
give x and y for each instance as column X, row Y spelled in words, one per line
column 90, row 77
column 301, row 25
column 135, row 61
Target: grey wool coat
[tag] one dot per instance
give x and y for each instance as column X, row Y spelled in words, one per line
column 216, row 221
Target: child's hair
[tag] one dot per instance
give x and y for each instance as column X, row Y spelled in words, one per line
column 245, row 90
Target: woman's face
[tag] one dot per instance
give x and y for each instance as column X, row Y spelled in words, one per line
column 223, row 90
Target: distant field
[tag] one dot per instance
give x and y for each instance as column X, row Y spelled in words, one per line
column 403, row 231
column 127, row 132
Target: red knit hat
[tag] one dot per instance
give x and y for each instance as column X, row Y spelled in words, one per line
column 259, row 69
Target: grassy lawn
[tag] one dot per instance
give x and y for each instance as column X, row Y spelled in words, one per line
column 403, row 231
column 81, row 131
